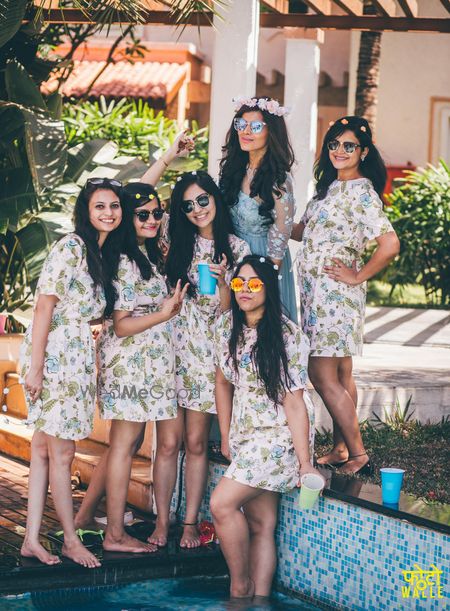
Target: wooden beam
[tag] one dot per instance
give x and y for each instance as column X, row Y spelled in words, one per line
column 385, row 7
column 352, row 7
column 274, row 20
column 279, row 6
column 323, row 7
column 446, row 5
column 409, row 7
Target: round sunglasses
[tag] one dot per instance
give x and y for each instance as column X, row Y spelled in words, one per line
column 143, row 215
column 349, row 147
column 188, row 205
column 254, row 285
column 240, row 125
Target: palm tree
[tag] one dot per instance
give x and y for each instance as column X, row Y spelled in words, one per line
column 368, row 74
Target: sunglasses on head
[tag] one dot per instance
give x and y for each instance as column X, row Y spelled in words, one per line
column 143, row 215
column 349, row 147
column 188, row 205
column 104, row 181
column 254, row 285
column 240, row 125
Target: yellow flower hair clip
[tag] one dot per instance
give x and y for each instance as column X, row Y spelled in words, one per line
column 138, row 196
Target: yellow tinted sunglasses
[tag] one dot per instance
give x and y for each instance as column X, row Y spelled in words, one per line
column 254, row 285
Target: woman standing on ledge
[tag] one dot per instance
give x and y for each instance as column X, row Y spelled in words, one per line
column 257, row 186
column 58, row 359
column 260, row 378
column 344, row 215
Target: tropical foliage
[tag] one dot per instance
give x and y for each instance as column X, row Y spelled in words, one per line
column 420, row 213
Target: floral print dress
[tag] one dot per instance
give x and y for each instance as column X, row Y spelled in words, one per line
column 270, row 240
column 261, row 446
column 137, row 373
column 66, row 406
column 340, row 226
column 194, row 333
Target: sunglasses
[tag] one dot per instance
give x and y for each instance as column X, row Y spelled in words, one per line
column 240, row 125
column 104, row 181
column 188, row 205
column 349, row 147
column 254, row 285
column 143, row 215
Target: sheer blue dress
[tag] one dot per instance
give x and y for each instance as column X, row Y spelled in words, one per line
column 270, row 240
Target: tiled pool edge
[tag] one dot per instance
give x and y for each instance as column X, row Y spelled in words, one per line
column 343, row 556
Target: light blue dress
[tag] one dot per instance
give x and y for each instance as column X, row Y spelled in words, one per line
column 270, row 240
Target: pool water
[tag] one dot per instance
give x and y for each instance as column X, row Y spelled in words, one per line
column 195, row 594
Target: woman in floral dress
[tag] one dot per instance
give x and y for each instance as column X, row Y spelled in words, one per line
column 199, row 231
column 58, row 359
column 344, row 215
column 258, row 188
column 267, row 431
column 136, row 362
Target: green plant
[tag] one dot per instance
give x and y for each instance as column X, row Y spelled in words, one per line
column 420, row 213
column 396, row 420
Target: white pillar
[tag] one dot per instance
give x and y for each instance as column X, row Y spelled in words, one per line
column 233, row 69
column 301, row 95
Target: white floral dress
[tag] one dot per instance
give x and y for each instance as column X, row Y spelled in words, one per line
column 340, row 226
column 66, row 406
column 137, row 373
column 194, row 333
column 261, row 445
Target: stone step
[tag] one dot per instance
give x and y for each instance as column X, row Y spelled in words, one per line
column 15, row 441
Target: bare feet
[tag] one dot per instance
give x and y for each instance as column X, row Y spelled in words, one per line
column 353, row 465
column 333, row 458
column 87, row 523
column 127, row 544
column 35, row 550
column 242, row 590
column 159, row 535
column 190, row 537
column 75, row 550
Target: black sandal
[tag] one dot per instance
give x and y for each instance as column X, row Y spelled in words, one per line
column 366, row 469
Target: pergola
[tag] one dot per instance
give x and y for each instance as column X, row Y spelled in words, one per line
column 235, row 55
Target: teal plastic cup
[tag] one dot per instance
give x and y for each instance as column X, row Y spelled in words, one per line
column 207, row 283
column 311, row 487
column 391, row 484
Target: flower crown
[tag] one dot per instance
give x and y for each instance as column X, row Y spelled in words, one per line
column 271, row 106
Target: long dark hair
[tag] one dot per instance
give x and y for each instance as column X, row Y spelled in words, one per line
column 269, row 352
column 182, row 232
column 134, row 195
column 271, row 174
column 102, row 263
column 372, row 167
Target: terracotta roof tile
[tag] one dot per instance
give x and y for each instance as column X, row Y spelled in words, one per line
column 143, row 79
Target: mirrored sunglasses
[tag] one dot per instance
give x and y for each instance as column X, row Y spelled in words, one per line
column 349, row 147
column 256, row 127
column 254, row 285
column 188, row 205
column 96, row 181
column 143, row 215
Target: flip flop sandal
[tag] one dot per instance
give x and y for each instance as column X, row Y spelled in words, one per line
column 88, row 538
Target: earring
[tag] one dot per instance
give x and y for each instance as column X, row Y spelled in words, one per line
column 363, row 157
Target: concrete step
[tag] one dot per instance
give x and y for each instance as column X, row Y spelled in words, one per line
column 15, row 441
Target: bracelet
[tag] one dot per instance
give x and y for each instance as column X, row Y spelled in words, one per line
column 166, row 164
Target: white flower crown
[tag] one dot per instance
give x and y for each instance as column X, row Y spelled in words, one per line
column 271, row 106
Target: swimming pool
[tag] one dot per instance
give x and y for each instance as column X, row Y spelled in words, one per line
column 195, row 594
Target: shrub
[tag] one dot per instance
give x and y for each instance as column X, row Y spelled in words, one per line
column 420, row 213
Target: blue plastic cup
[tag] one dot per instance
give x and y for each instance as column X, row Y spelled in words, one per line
column 207, row 282
column 391, row 484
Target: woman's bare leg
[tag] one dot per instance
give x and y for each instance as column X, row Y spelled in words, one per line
column 61, row 453
column 233, row 531
column 197, row 426
column 169, row 435
column 97, row 489
column 324, row 375
column 122, row 443
column 261, row 514
column 37, row 495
